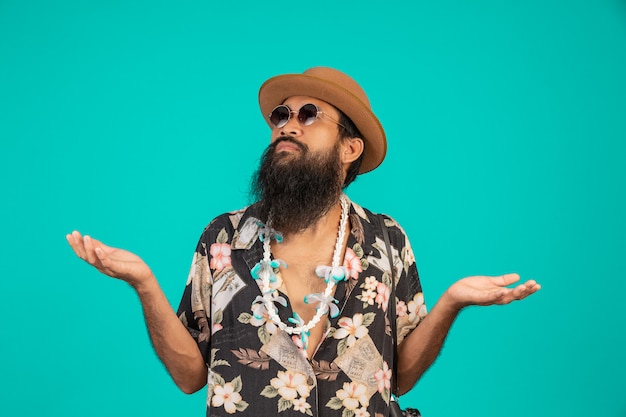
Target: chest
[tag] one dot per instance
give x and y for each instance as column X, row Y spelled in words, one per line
column 299, row 275
column 299, row 279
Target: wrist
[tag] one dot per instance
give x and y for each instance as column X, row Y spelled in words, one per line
column 144, row 285
column 450, row 303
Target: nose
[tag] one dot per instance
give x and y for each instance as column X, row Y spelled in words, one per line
column 292, row 128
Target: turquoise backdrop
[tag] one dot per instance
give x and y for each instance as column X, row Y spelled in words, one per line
column 137, row 122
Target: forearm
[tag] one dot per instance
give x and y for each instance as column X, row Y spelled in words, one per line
column 173, row 344
column 171, row 340
column 422, row 346
column 419, row 350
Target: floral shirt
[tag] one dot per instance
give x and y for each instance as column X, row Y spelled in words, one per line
column 256, row 369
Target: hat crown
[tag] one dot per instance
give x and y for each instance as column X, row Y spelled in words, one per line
column 341, row 79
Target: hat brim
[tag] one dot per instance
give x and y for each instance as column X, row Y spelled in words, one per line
column 277, row 89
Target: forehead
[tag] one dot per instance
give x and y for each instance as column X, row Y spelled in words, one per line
column 295, row 102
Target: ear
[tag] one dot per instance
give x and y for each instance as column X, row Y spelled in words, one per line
column 352, row 148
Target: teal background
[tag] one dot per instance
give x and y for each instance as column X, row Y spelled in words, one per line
column 137, row 122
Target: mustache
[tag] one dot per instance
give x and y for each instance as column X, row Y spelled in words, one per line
column 303, row 147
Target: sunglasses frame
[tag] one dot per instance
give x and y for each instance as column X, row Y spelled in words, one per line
column 319, row 112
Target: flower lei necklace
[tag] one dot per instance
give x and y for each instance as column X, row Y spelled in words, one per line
column 264, row 271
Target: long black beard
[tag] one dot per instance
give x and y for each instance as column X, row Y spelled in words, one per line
column 297, row 189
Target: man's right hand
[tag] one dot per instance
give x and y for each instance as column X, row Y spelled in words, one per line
column 172, row 341
column 116, row 263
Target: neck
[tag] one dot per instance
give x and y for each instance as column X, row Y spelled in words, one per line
column 323, row 228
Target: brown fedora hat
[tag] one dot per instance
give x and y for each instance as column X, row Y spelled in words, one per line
column 338, row 89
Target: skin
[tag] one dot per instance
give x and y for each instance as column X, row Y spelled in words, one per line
column 302, row 251
column 172, row 342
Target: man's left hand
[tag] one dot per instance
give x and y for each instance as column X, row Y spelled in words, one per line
column 484, row 290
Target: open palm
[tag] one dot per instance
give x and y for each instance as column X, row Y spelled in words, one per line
column 485, row 290
column 114, row 262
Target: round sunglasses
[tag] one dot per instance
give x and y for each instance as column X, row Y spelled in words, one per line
column 307, row 115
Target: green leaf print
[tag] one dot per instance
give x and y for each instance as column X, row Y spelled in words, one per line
column 241, row 405
column 404, row 252
column 244, row 318
column 269, row 391
column 334, row 403
column 385, row 395
column 347, row 413
column 218, row 316
column 222, row 236
column 342, row 346
column 217, row 378
column 386, row 279
column 358, row 250
column 368, row 318
column 219, row 362
column 264, row 335
column 284, row 404
column 237, row 384
column 364, row 264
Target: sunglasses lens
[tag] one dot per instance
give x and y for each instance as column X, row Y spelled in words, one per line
column 280, row 116
column 307, row 114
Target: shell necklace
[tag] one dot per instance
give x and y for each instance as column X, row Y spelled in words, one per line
column 264, row 271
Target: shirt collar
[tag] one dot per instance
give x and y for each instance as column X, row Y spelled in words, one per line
column 247, row 232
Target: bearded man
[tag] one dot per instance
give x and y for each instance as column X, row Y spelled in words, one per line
column 288, row 305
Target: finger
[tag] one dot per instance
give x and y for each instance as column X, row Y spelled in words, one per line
column 70, row 241
column 533, row 288
column 89, row 251
column 494, row 297
column 526, row 289
column 103, row 260
column 106, row 265
column 520, row 292
column 76, row 242
column 102, row 257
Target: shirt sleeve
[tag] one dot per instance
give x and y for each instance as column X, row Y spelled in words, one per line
column 410, row 307
column 194, row 310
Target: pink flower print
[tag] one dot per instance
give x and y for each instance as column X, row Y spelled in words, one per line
column 353, row 395
column 371, row 283
column 220, row 256
column 382, row 298
column 352, row 328
column 417, row 308
column 300, row 404
column 225, row 395
column 368, row 297
column 297, row 340
column 383, row 378
column 216, row 328
column 352, row 264
column 361, row 412
column 401, row 309
column 290, row 384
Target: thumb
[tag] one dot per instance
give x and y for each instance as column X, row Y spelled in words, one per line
column 507, row 279
column 107, row 265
